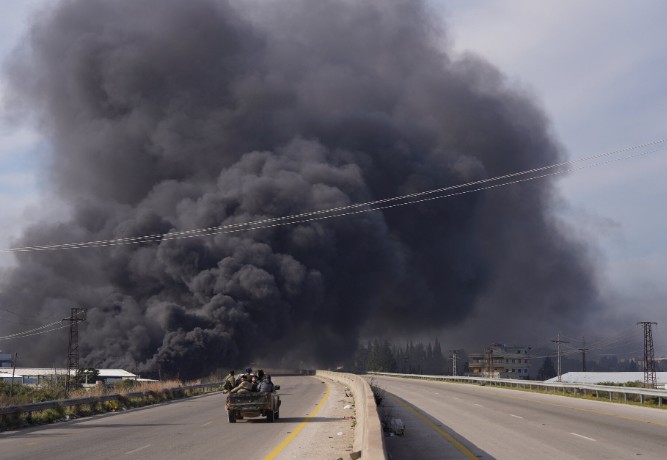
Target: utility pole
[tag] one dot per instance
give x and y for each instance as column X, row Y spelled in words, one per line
column 649, row 355
column 11, row 385
column 454, row 363
column 559, row 341
column 76, row 315
column 489, row 362
column 583, row 351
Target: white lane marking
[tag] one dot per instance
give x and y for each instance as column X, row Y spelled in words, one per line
column 454, row 397
column 207, row 423
column 436, row 393
column 515, row 416
column 138, row 449
column 478, row 405
column 582, row 436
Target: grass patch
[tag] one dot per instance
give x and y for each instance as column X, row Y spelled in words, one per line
column 155, row 393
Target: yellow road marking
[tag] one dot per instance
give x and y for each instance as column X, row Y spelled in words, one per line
column 289, row 438
column 455, row 442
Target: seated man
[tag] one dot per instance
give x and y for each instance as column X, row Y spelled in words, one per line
column 243, row 387
column 230, row 381
column 248, row 374
column 266, row 385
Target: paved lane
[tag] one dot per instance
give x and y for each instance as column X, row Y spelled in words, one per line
column 194, row 428
column 500, row 423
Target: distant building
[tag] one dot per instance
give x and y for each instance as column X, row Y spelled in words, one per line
column 47, row 375
column 500, row 361
column 607, row 377
column 114, row 375
column 5, row 360
column 7, row 377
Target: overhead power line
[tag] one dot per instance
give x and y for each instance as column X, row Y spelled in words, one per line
column 624, row 338
column 352, row 209
column 35, row 331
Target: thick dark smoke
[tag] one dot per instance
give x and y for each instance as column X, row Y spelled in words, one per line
column 172, row 115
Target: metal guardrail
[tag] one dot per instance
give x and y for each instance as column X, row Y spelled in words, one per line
column 34, row 407
column 533, row 384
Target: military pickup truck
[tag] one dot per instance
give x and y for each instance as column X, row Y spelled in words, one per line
column 254, row 404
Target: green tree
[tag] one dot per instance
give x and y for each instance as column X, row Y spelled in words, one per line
column 380, row 357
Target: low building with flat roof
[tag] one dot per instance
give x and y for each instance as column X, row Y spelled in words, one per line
column 48, row 375
column 607, row 377
column 7, row 377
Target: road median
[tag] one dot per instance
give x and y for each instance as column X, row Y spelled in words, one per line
column 368, row 436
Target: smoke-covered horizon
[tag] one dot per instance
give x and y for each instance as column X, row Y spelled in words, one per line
column 167, row 115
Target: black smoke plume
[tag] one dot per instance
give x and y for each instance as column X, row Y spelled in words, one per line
column 170, row 115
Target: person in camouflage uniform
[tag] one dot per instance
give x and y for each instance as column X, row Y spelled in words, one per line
column 230, row 381
column 244, row 387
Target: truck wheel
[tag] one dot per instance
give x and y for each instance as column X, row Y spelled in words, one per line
column 232, row 416
column 270, row 417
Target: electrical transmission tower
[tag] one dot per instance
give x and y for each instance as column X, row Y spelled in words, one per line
column 649, row 355
column 559, row 341
column 77, row 315
column 583, row 351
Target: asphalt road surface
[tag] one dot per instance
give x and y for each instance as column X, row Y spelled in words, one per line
column 448, row 420
column 193, row 428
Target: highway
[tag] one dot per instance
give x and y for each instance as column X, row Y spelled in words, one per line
column 449, row 420
column 196, row 428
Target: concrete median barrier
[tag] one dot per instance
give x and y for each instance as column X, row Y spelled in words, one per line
column 368, row 436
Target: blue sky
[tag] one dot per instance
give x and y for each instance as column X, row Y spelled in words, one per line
column 598, row 68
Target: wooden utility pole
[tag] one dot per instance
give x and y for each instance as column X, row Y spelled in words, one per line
column 583, row 351
column 11, row 385
column 489, row 362
column 454, row 364
column 559, row 341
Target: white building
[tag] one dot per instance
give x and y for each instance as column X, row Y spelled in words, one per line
column 607, row 377
column 7, row 377
column 47, row 375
